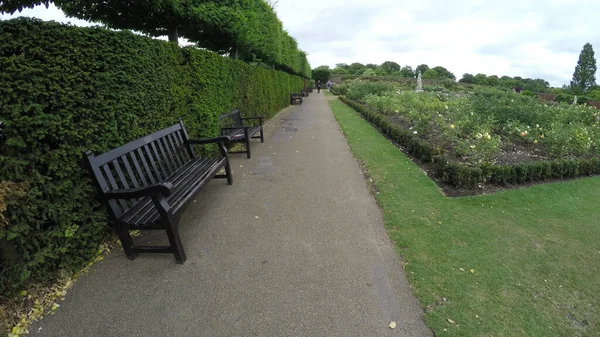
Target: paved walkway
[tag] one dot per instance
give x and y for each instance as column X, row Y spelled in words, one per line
column 296, row 247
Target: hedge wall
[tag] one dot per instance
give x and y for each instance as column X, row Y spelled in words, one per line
column 66, row 90
column 470, row 176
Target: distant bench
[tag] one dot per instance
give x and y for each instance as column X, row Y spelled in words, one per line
column 304, row 92
column 233, row 125
column 296, row 98
column 146, row 184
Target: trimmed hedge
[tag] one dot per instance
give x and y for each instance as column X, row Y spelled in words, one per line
column 66, row 90
column 462, row 175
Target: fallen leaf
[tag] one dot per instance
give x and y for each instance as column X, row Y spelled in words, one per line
column 55, row 306
column 451, row 321
column 473, row 271
column 461, row 269
column 256, row 216
column 392, row 325
column 23, row 293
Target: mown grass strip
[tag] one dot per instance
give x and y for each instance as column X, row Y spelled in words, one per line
column 521, row 262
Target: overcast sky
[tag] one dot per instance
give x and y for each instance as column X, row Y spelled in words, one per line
column 527, row 38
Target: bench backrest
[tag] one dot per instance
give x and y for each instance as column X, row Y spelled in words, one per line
column 140, row 163
column 232, row 118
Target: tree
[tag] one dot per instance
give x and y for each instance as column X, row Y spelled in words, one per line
column 492, row 80
column 467, row 78
column 390, row 66
column 356, row 68
column 407, row 72
column 421, row 69
column 430, row 74
column 369, row 72
column 321, row 73
column 584, row 77
column 444, row 73
column 155, row 18
column 480, row 79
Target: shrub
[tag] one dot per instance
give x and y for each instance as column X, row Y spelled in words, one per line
column 359, row 90
column 66, row 90
column 528, row 93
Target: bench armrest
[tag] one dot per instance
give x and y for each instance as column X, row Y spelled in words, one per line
column 260, row 119
column 163, row 189
column 220, row 139
column 236, row 127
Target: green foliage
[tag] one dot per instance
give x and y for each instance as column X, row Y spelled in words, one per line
column 476, row 126
column 360, row 89
column 584, row 77
column 321, row 73
column 247, row 30
column 443, row 73
column 528, row 93
column 430, row 74
column 369, row 72
column 390, row 67
column 422, row 68
column 67, row 90
column 407, row 72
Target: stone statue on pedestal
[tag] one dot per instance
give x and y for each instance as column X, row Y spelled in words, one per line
column 419, row 83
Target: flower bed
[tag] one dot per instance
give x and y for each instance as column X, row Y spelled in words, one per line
column 489, row 136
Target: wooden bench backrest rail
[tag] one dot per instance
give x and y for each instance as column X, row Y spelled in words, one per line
column 143, row 162
column 234, row 116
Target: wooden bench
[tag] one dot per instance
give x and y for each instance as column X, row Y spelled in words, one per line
column 296, row 98
column 233, row 125
column 304, row 93
column 146, row 184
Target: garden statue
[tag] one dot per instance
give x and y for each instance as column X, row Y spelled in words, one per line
column 419, row 83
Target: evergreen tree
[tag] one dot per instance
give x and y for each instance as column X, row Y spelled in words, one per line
column 584, row 77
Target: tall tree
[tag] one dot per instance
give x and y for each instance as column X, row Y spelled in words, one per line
column 321, row 73
column 444, row 73
column 422, row 68
column 356, row 68
column 584, row 77
column 407, row 72
column 390, row 67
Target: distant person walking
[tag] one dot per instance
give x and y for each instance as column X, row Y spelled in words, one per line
column 318, row 86
column 329, row 84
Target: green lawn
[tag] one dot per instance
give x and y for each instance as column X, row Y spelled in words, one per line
column 531, row 256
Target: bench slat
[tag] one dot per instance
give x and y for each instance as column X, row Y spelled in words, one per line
column 134, row 180
column 145, row 163
column 175, row 151
column 155, row 158
column 138, row 169
column 113, row 184
column 145, row 213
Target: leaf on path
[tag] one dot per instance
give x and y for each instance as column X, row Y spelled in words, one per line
column 392, row 325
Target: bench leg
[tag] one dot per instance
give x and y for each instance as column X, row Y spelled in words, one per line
column 247, row 138
column 126, row 242
column 262, row 135
column 228, row 172
column 172, row 230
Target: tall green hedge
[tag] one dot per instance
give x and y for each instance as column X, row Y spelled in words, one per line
column 463, row 175
column 66, row 90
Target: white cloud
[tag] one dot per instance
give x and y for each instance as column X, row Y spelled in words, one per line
column 532, row 38
column 539, row 39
